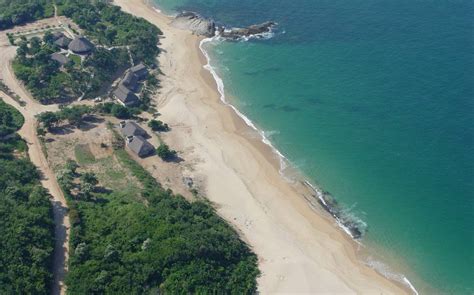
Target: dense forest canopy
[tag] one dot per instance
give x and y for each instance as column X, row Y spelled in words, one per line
column 10, row 119
column 26, row 223
column 17, row 12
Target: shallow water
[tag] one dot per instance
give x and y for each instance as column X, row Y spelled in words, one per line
column 373, row 101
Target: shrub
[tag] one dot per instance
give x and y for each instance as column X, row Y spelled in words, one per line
column 157, row 125
column 164, row 152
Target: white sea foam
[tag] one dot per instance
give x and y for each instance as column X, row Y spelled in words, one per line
column 265, row 35
column 320, row 195
column 385, row 270
column 220, row 88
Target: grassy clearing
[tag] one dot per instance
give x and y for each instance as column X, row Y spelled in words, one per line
column 76, row 59
column 83, row 154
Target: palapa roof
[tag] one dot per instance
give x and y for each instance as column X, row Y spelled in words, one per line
column 57, row 35
column 63, row 42
column 133, row 129
column 80, row 45
column 140, row 70
column 60, row 58
column 141, row 146
column 127, row 97
column 130, row 81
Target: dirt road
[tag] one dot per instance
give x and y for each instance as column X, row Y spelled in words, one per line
column 28, row 133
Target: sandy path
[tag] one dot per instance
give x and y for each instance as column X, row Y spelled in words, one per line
column 299, row 250
column 28, row 133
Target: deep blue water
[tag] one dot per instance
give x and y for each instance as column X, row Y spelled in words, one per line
column 373, row 101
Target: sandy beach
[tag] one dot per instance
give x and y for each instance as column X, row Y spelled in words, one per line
column 300, row 249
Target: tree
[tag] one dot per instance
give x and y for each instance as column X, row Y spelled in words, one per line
column 48, row 37
column 121, row 112
column 48, row 119
column 86, row 191
column 75, row 114
column 35, row 45
column 157, row 125
column 71, row 166
column 164, row 152
column 26, row 225
column 11, row 39
column 89, row 178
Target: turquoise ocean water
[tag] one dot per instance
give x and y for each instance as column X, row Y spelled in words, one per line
column 374, row 102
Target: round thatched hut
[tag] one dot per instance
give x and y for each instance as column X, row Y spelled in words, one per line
column 80, row 45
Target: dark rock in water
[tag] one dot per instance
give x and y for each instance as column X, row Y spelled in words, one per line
column 332, row 207
column 196, row 23
column 236, row 33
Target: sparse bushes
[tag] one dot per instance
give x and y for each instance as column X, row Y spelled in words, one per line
column 164, row 152
column 157, row 125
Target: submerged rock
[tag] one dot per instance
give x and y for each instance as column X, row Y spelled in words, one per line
column 196, row 23
column 237, row 33
column 332, row 207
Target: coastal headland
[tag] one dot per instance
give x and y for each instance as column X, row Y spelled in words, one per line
column 299, row 250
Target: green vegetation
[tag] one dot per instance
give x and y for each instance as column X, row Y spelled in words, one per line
column 75, row 115
column 18, row 12
column 105, row 24
column 76, row 59
column 157, row 243
column 164, row 152
column 83, row 154
column 10, row 119
column 26, row 223
column 108, row 25
column 157, row 125
column 49, row 82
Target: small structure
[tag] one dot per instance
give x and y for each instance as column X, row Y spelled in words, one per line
column 80, row 45
column 63, row 42
column 125, row 96
column 140, row 71
column 60, row 58
column 130, row 128
column 57, row 35
column 130, row 81
column 140, row 146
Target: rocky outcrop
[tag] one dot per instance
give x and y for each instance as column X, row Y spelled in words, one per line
column 196, row 23
column 254, row 30
column 202, row 26
column 354, row 226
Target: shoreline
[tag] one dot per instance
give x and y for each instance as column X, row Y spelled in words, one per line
column 331, row 254
column 319, row 195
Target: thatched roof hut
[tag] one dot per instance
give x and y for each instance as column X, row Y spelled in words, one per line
column 130, row 128
column 81, row 45
column 60, row 58
column 140, row 146
column 130, row 81
column 57, row 35
column 63, row 42
column 140, row 71
column 125, row 96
